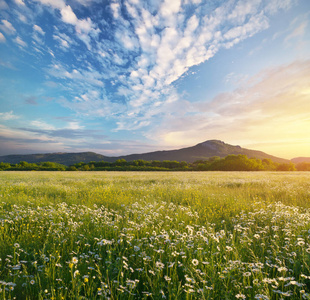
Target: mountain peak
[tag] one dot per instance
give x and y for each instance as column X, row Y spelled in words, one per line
column 201, row 151
column 212, row 142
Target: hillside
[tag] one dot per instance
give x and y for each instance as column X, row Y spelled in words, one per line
column 203, row 151
column 297, row 160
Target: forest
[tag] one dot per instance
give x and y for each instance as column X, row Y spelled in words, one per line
column 228, row 163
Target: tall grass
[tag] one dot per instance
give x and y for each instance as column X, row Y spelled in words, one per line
column 140, row 235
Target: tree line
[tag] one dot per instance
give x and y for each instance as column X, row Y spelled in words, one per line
column 228, row 163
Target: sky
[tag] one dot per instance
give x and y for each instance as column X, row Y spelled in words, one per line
column 131, row 76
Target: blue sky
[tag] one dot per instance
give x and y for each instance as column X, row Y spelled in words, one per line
column 132, row 76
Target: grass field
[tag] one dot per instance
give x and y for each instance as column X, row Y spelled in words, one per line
column 154, row 235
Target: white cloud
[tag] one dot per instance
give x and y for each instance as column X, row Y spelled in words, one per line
column 85, row 28
column 243, row 9
column 38, row 34
column 115, row 7
column 7, row 27
column 20, row 2
column 63, row 42
column 68, row 16
column 170, row 7
column 42, row 125
column 82, row 26
column 38, row 29
column 274, row 6
column 80, row 76
column 126, row 38
column 74, row 126
column 2, row 38
column 22, row 17
column 20, row 42
column 8, row 116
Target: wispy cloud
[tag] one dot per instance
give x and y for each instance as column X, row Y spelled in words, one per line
column 15, row 141
column 20, row 2
column 42, row 125
column 40, row 136
column 7, row 27
column 2, row 38
column 20, row 42
column 5, row 116
column 38, row 29
column 297, row 32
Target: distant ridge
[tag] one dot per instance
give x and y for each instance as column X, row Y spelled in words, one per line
column 297, row 160
column 59, row 157
column 201, row 151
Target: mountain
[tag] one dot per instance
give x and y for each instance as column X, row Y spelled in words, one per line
column 297, row 160
column 203, row 150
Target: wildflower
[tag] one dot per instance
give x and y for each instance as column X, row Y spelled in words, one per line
column 171, row 265
column 136, row 248
column 261, row 297
column 76, row 272
column 240, row 296
column 75, row 260
column 282, row 269
column 294, row 282
column 167, row 278
column 32, row 282
column 160, row 265
column 190, row 280
column 195, row 262
column 16, row 245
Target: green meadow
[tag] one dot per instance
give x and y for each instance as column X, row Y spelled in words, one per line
column 154, row 235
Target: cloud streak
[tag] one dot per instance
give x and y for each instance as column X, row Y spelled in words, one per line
column 6, row 116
